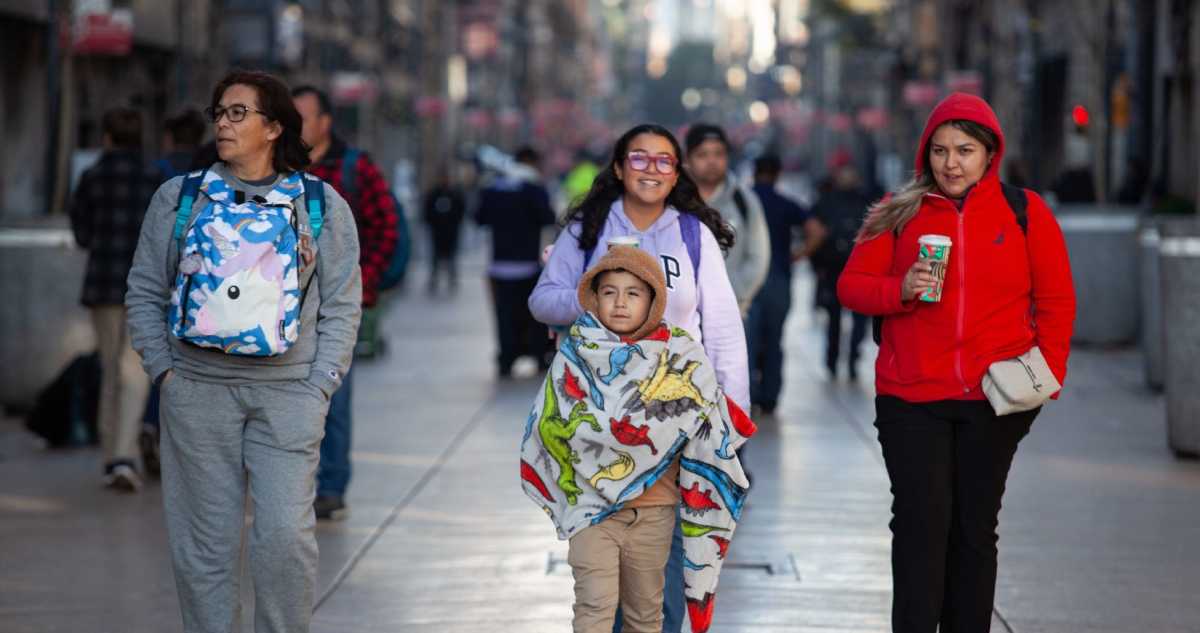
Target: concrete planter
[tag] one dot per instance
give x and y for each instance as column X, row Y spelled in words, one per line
column 44, row 324
column 1151, row 294
column 1179, row 250
column 1102, row 244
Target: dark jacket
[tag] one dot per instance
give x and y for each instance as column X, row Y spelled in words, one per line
column 783, row 215
column 516, row 208
column 106, row 214
column 176, row 163
column 444, row 211
column 374, row 211
column 842, row 213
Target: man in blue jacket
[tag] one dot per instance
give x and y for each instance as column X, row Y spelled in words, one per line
column 516, row 206
column 768, row 312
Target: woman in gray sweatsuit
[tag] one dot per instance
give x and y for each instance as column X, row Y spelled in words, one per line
column 232, row 424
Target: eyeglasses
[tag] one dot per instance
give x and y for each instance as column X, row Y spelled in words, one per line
column 235, row 113
column 640, row 161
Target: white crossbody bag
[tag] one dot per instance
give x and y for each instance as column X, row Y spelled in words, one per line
column 1020, row 384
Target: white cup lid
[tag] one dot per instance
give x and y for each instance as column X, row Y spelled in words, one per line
column 935, row 240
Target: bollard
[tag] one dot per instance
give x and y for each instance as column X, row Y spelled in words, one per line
column 45, row 325
column 1102, row 245
column 1151, row 287
column 1179, row 250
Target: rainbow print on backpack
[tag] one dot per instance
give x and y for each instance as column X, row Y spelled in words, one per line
column 237, row 290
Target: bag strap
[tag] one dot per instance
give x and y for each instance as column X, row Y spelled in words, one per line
column 350, row 173
column 587, row 256
column 314, row 200
column 689, row 226
column 188, row 192
column 1018, row 201
column 740, row 201
column 689, row 229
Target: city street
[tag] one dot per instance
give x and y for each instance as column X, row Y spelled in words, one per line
column 1100, row 530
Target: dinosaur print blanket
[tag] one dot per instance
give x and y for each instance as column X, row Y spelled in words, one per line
column 612, row 416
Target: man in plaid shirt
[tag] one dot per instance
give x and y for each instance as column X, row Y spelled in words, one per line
column 106, row 212
column 374, row 210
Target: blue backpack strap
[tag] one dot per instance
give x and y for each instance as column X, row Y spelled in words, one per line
column 689, row 226
column 350, row 173
column 188, row 192
column 314, row 200
column 587, row 257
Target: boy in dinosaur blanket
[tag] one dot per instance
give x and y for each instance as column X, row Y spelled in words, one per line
column 629, row 424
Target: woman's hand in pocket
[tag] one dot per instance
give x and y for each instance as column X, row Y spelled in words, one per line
column 316, row 391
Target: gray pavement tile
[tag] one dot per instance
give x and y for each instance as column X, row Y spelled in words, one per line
column 1098, row 533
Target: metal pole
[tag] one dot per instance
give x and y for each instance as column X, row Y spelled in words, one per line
column 52, row 106
column 1110, row 72
column 1036, row 97
column 181, row 57
column 269, row 10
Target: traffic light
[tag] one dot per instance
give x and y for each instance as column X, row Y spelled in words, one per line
column 1079, row 115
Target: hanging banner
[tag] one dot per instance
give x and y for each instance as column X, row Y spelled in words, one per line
column 99, row 29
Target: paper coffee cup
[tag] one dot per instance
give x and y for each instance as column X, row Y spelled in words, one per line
column 624, row 240
column 935, row 250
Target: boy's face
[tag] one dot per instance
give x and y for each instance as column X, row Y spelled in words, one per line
column 624, row 302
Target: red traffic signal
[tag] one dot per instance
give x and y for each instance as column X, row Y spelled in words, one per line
column 1079, row 115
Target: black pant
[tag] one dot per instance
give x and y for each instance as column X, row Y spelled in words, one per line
column 948, row 461
column 443, row 264
column 518, row 332
column 858, row 332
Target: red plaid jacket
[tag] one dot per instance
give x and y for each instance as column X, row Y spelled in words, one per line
column 374, row 213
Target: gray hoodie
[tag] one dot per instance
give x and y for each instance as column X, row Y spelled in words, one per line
column 328, row 319
column 750, row 258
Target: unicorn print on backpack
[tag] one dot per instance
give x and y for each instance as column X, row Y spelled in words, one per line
column 238, row 287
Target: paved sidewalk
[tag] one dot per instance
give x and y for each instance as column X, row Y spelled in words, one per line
column 1100, row 530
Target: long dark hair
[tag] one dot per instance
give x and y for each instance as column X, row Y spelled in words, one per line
column 592, row 210
column 275, row 100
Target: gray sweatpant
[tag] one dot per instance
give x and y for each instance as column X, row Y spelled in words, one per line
column 218, row 442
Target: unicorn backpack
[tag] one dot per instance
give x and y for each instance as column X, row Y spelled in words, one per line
column 238, row 286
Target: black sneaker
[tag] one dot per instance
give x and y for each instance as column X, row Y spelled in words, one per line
column 330, row 508
column 148, row 442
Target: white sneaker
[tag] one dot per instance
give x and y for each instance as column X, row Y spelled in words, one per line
column 123, row 477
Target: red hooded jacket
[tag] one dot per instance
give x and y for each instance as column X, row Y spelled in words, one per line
column 1003, row 292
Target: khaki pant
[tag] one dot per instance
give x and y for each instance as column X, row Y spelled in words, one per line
column 622, row 559
column 123, row 386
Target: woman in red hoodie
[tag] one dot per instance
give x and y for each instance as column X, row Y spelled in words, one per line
column 1005, row 290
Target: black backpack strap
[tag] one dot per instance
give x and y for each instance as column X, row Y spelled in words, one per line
column 740, row 201
column 1018, row 201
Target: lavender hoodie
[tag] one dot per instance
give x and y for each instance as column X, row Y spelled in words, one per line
column 707, row 310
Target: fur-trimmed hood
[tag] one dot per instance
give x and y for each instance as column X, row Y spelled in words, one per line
column 643, row 266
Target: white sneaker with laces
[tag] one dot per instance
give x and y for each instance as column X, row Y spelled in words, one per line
column 124, row 477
